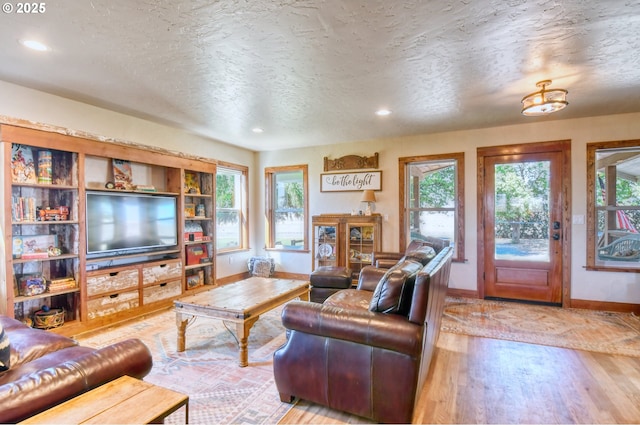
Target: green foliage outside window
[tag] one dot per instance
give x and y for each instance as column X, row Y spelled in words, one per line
column 438, row 189
column 522, row 199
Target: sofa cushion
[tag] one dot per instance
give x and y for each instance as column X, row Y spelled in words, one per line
column 350, row 299
column 5, row 350
column 393, row 293
column 422, row 254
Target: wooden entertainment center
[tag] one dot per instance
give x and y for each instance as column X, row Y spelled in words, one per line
column 50, row 269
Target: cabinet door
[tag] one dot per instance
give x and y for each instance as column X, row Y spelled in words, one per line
column 325, row 245
column 361, row 242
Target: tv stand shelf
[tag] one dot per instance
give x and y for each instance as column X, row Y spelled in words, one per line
column 45, row 295
column 49, row 170
column 56, row 258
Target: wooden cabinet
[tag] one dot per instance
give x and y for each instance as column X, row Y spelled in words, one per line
column 345, row 240
column 326, row 249
column 115, row 290
column 51, row 259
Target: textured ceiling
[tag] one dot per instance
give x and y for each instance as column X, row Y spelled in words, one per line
column 313, row 72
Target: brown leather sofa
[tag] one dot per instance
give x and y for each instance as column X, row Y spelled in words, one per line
column 366, row 351
column 46, row 369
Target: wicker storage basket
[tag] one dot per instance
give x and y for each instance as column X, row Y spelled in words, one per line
column 48, row 319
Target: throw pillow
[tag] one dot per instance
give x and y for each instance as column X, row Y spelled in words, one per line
column 393, row 293
column 261, row 266
column 5, row 350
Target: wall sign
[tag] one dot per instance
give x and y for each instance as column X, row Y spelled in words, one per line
column 351, row 182
column 351, row 162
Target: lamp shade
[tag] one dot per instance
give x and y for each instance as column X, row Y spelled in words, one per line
column 368, row 196
column 544, row 101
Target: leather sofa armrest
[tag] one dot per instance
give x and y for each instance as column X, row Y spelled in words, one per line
column 386, row 331
column 42, row 389
column 369, row 278
column 385, row 259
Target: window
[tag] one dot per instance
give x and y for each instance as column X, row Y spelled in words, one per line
column 287, row 207
column 613, row 205
column 433, row 201
column 231, row 208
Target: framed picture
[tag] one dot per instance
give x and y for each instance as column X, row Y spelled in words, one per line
column 191, row 184
column 34, row 246
column 122, row 174
column 189, row 210
column 351, row 182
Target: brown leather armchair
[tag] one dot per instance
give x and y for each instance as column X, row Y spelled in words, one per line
column 387, row 259
column 366, row 351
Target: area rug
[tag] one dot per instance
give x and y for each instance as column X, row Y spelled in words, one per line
column 589, row 330
column 220, row 392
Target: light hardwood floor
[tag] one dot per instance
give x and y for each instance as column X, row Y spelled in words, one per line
column 477, row 380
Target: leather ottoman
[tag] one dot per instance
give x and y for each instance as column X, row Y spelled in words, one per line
column 327, row 280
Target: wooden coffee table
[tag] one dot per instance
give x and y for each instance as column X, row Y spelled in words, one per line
column 241, row 303
column 125, row 400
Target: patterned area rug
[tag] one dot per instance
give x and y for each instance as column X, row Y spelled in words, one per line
column 604, row 332
column 220, row 392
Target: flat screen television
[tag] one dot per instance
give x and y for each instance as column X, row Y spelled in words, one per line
column 130, row 223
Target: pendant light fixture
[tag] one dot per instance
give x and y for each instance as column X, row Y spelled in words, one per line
column 545, row 101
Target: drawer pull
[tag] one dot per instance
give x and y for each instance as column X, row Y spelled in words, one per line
column 113, row 274
column 113, row 295
column 163, row 284
column 163, row 265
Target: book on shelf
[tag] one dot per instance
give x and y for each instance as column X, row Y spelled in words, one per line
column 62, row 284
column 23, row 167
column 23, row 208
column 122, row 174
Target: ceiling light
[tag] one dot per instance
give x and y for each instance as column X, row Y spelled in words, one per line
column 257, row 130
column 383, row 112
column 544, row 101
column 35, row 45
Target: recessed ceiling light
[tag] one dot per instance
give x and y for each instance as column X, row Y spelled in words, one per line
column 257, row 130
column 35, row 45
column 383, row 112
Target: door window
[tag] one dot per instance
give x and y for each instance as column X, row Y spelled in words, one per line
column 522, row 211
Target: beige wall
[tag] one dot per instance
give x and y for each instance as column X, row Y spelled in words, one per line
column 585, row 285
column 18, row 102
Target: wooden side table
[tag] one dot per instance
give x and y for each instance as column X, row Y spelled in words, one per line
column 125, row 400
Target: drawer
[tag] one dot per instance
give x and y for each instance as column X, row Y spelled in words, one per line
column 112, row 282
column 111, row 304
column 161, row 271
column 162, row 291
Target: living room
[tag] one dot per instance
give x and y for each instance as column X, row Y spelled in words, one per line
column 583, row 285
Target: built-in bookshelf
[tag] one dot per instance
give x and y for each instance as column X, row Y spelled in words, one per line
column 51, row 269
